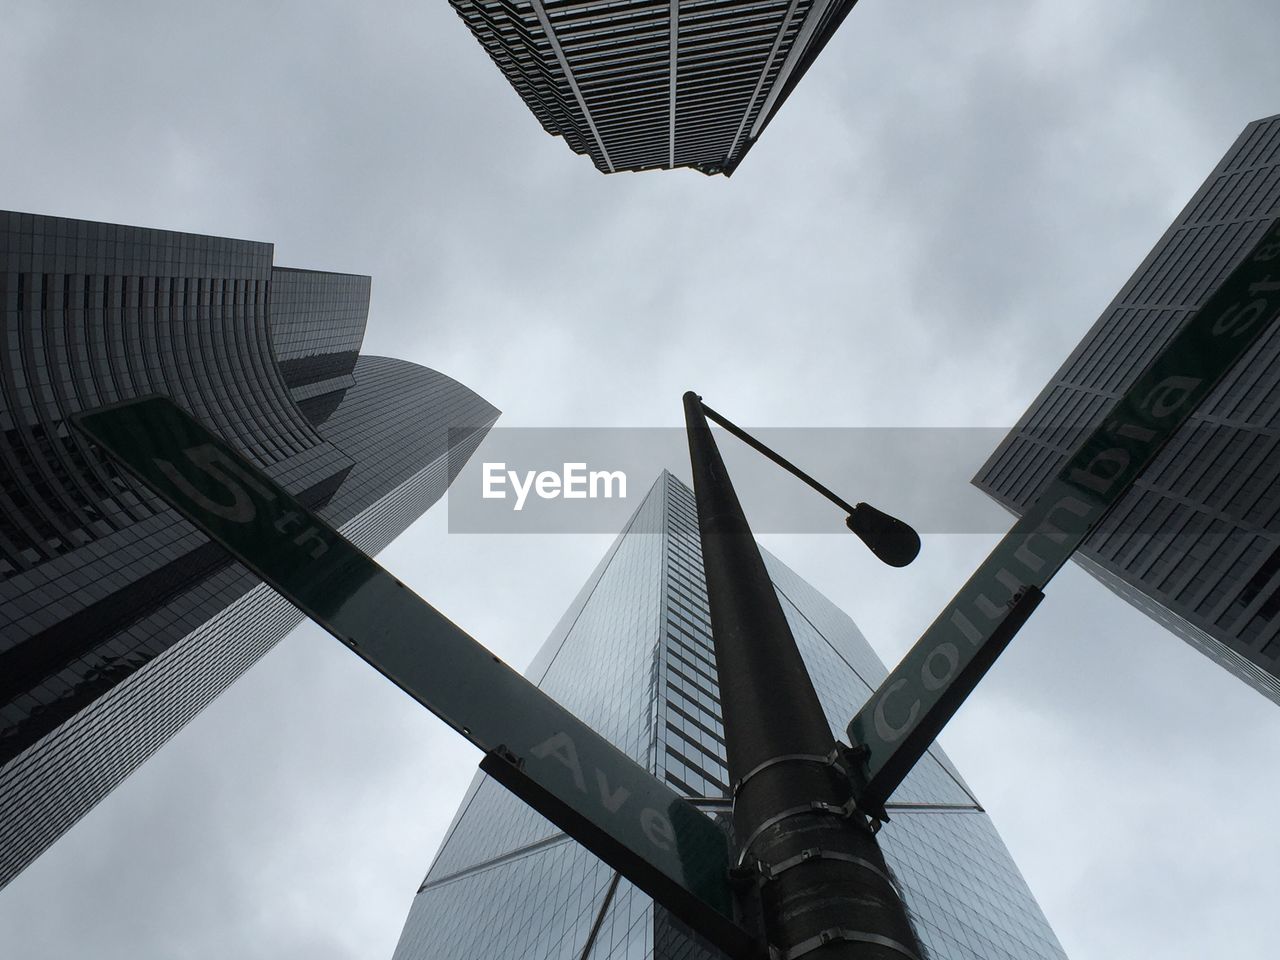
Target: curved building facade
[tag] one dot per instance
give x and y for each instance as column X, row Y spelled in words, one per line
column 118, row 621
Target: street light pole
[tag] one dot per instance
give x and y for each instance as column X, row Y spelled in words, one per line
column 825, row 891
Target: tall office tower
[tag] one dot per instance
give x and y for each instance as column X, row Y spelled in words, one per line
column 642, row 86
column 1196, row 543
column 118, row 621
column 633, row 658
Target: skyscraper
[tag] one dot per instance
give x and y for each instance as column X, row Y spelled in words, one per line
column 642, row 86
column 633, row 658
column 118, row 621
column 1196, row 543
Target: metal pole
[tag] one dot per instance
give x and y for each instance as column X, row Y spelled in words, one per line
column 825, row 891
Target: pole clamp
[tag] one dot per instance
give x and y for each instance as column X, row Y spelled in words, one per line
column 805, row 947
column 832, row 760
column 844, row 811
column 770, row 871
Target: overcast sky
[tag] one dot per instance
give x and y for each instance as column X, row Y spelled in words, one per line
column 942, row 208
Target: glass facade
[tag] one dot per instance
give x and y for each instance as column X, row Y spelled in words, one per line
column 633, row 657
column 118, row 621
column 642, row 86
column 1196, row 542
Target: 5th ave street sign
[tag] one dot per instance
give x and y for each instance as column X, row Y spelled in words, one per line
column 903, row 717
column 539, row 750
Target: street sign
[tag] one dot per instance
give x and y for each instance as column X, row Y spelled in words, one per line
column 539, row 750
column 903, row 717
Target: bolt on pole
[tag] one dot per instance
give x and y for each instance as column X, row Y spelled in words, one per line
column 824, row 889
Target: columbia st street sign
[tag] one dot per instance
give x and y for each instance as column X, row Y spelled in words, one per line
column 536, row 748
column 903, row 717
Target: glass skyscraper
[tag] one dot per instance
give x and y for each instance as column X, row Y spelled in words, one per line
column 118, row 621
column 642, row 86
column 1196, row 543
column 633, row 657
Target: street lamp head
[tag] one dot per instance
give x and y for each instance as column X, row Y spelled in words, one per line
column 894, row 542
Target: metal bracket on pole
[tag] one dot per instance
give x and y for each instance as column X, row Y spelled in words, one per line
column 831, row 759
column 769, row 871
column 845, row 811
column 834, row 934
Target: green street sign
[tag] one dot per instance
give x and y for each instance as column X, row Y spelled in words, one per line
column 544, row 754
column 903, row 717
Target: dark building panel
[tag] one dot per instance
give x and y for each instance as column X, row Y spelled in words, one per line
column 317, row 313
column 1195, row 543
column 639, row 85
column 317, row 326
column 118, row 621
